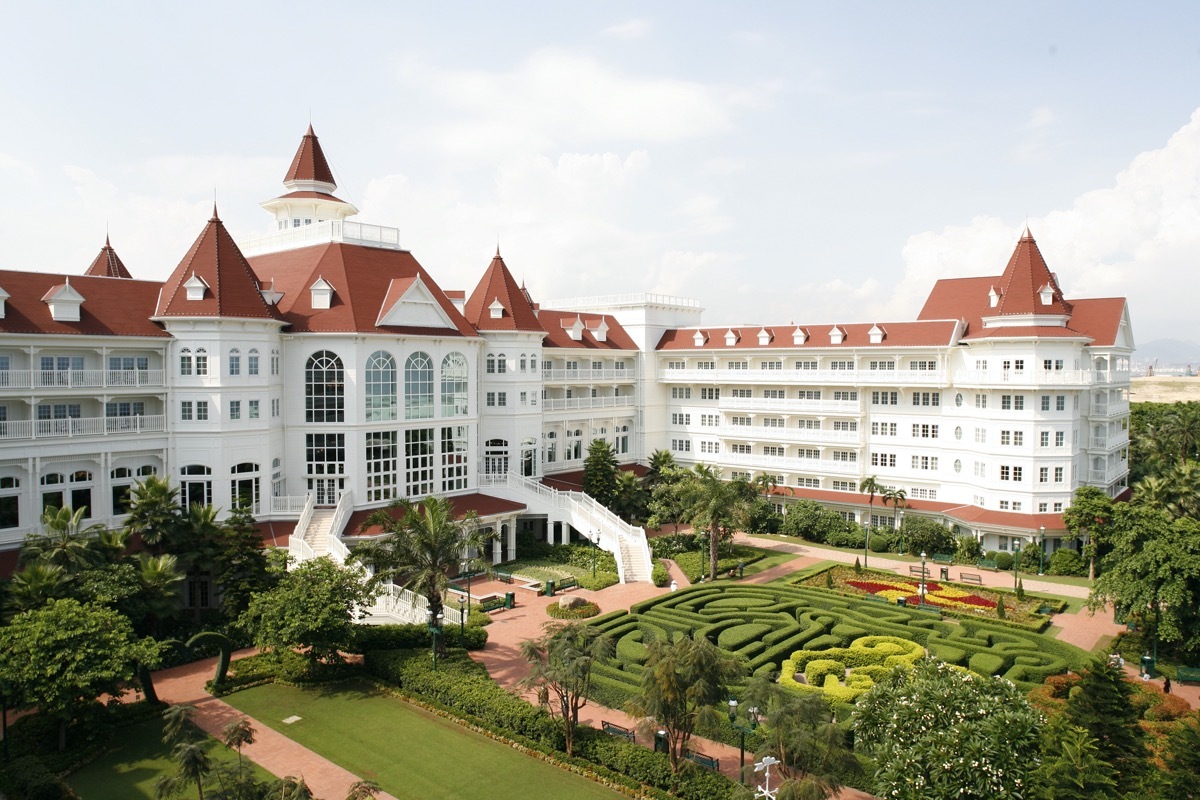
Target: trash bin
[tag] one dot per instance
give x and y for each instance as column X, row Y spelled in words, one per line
column 1147, row 664
column 549, row 588
column 945, row 573
column 901, row 601
column 510, row 599
column 660, row 742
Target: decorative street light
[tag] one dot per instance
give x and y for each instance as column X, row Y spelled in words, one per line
column 462, row 618
column 1016, row 565
column 900, row 529
column 921, row 593
column 594, row 538
column 742, row 730
column 435, row 633
column 1042, row 554
column 466, row 566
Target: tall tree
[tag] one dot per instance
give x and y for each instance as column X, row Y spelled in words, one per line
column 1183, row 759
column 937, row 732
column 1071, row 767
column 561, row 663
column 869, row 486
column 629, row 502
column 1101, row 704
column 243, row 568
column 65, row 540
column 423, row 543
column 34, row 585
column 682, row 683
column 600, row 473
column 314, row 607
column 713, row 505
column 1087, row 518
column 660, row 462
column 154, row 512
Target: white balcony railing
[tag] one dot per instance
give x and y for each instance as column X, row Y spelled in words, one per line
column 1109, row 409
column 1110, row 442
column 585, row 403
column 812, row 377
column 819, row 465
column 783, row 434
column 791, row 406
column 81, row 426
column 556, row 375
column 286, row 505
column 1107, row 476
column 79, row 378
column 333, row 230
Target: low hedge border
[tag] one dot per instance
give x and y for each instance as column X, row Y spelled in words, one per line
column 583, row 611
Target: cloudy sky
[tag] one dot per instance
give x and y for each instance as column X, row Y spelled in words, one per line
column 781, row 162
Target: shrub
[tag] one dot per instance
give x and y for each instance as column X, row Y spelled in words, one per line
column 853, row 538
column 407, row 637
column 575, row 612
column 922, row 534
column 882, row 540
column 1067, row 562
column 660, row 574
column 29, row 778
column 1000, row 608
column 1004, row 561
column 967, row 550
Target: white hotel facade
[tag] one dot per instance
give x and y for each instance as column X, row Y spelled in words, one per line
column 318, row 371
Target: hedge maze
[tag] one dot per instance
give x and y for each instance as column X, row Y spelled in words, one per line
column 839, row 644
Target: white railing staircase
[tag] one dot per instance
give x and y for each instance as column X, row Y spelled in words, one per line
column 626, row 542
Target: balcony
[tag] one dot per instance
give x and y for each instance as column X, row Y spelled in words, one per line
column 1112, row 442
column 589, row 375
column 333, row 230
column 1104, row 477
column 785, row 434
column 787, row 463
column 81, row 426
column 79, row 378
column 788, row 406
column 807, row 377
column 585, row 403
column 1110, row 409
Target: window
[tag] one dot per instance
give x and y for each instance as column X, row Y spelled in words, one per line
column 772, row 422
column 958, row 432
column 883, row 429
column 419, row 459
column 501, row 399
column 185, row 410
column 681, row 419
column 1058, row 474
column 846, row 395
column 809, row 453
column 324, row 386
column 235, row 409
column 201, row 410
column 1045, row 402
column 195, row 486
column 185, row 361
column 925, row 462
column 10, row 503
column 845, row 455
column 842, row 424
column 882, row 365
column 274, row 362
column 773, row 451
column 418, row 387
column 491, row 399
column 524, row 362
column 501, row 364
column 1043, row 474
column 681, row 393
column 981, row 401
column 252, row 409
column 883, row 459
column 252, row 363
column 325, row 460
column 1060, row 402
column 981, row 435
column 1006, row 402
column 454, row 385
column 455, row 463
column 706, row 365
column 1004, row 539
column 808, row 482
column 490, row 364
column 885, row 398
column 1058, row 507
column 1005, row 438
column 235, row 363
column 681, row 445
column 806, row 365
column 744, row 421
column 809, row 424
column 741, row 449
column 379, row 387
column 1044, row 439
column 771, row 365
column 844, row 486
column 927, row 398
column 710, row 447
column 524, row 398
column 843, row 365
column 275, row 404
column 809, row 394
column 1043, row 508
column 710, row 394
column 244, row 487
column 774, row 394
column 738, row 365
column 980, row 472
column 924, row 366
column 1019, row 402
column 1060, row 438
column 1018, row 438
column 1010, row 473
column 676, row 365
column 201, row 361
column 710, row 420
column 925, row 431
column 743, row 394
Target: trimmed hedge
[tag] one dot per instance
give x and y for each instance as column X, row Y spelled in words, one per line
column 403, row 637
column 583, row 611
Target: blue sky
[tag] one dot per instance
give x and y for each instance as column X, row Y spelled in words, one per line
column 782, row 162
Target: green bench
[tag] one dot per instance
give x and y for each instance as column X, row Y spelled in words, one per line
column 1190, row 674
column 503, row 577
column 919, row 571
column 618, row 730
column 943, row 558
column 926, row 607
column 565, row 583
column 986, row 563
column 491, row 604
column 970, row 577
column 876, row 598
column 705, row 761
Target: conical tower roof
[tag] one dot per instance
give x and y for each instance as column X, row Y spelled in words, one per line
column 499, row 303
column 310, row 165
column 107, row 264
column 1026, row 279
column 214, row 280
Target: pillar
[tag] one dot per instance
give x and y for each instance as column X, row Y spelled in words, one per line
column 512, row 539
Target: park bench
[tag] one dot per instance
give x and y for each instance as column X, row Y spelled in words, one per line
column 943, row 558
column 919, row 571
column 491, row 604
column 986, row 563
column 618, row 730
column 928, row 607
column 705, row 761
column 970, row 577
column 877, row 599
column 1190, row 674
column 503, row 577
column 565, row 583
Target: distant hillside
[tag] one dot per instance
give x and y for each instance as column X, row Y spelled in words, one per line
column 1173, row 354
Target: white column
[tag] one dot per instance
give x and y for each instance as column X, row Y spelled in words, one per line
column 512, row 538
column 496, row 549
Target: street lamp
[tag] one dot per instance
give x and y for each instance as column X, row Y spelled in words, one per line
column 900, row 529
column 1016, row 565
column 462, row 618
column 1042, row 554
column 921, row 593
column 466, row 565
column 742, row 730
column 435, row 633
column 594, row 538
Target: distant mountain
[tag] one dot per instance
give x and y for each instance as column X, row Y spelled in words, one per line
column 1168, row 352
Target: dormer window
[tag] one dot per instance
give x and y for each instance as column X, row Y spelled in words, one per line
column 64, row 303
column 1046, row 294
column 322, row 294
column 836, row 335
column 195, row 287
column 876, row 333
column 3, row 299
column 699, row 339
column 764, row 337
column 799, row 336
column 574, row 328
column 496, row 309
column 600, row 332
column 993, row 297
column 731, row 338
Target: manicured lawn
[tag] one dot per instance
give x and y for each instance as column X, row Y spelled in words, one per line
column 411, row 753
column 129, row 770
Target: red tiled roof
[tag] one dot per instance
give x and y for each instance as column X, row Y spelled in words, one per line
column 939, row 333
column 572, row 481
column 1024, row 277
column 309, row 163
column 556, row 335
column 498, row 283
column 484, row 505
column 233, row 290
column 1100, row 318
column 276, row 534
column 305, row 195
column 107, row 264
column 110, row 308
column 360, row 276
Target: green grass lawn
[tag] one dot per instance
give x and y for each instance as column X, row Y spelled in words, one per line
column 138, row 757
column 410, row 752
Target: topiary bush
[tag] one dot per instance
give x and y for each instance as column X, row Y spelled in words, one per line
column 1067, row 562
column 1004, row 561
column 582, row 611
column 660, row 574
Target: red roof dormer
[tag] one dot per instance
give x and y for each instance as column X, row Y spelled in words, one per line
column 108, row 264
column 499, row 304
column 1027, row 285
column 309, row 165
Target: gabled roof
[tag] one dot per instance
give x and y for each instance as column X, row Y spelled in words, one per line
column 1023, row 280
column 108, row 264
column 615, row 338
column 233, row 290
column 933, row 333
column 364, row 278
column 309, row 163
column 113, row 308
column 498, row 285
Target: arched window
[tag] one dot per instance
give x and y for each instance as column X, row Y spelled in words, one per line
column 235, row 362
column 495, row 457
column 185, row 361
column 244, row 486
column 252, row 362
column 195, row 485
column 202, row 361
column 524, row 362
column 380, row 386
column 533, row 363
column 454, row 385
column 491, row 364
column 501, row 364
column 324, row 388
column 418, row 386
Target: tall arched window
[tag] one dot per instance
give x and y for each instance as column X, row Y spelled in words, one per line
column 324, row 388
column 380, row 386
column 418, row 387
column 502, row 363
column 454, row 385
column 495, row 457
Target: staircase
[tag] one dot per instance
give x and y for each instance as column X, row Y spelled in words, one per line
column 316, row 535
column 584, row 514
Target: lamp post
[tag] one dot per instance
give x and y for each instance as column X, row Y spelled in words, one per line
column 1016, row 565
column 435, row 633
column 921, row 593
column 594, row 538
column 900, row 529
column 742, row 730
column 1042, row 554
column 462, row 618
column 466, row 565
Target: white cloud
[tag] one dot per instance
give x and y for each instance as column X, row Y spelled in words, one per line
column 1037, row 139
column 632, row 29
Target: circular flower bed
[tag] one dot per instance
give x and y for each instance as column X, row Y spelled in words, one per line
column 581, row 611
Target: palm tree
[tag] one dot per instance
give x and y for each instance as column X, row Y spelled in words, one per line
column 870, row 486
column 660, row 462
column 629, row 502
column 192, row 765
column 177, row 723
column 64, row 540
column 159, row 576
column 561, row 669
column 292, row 788
column 363, row 790
column 899, row 500
column 154, row 512
column 422, row 544
column 34, row 585
column 237, row 734
column 712, row 504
